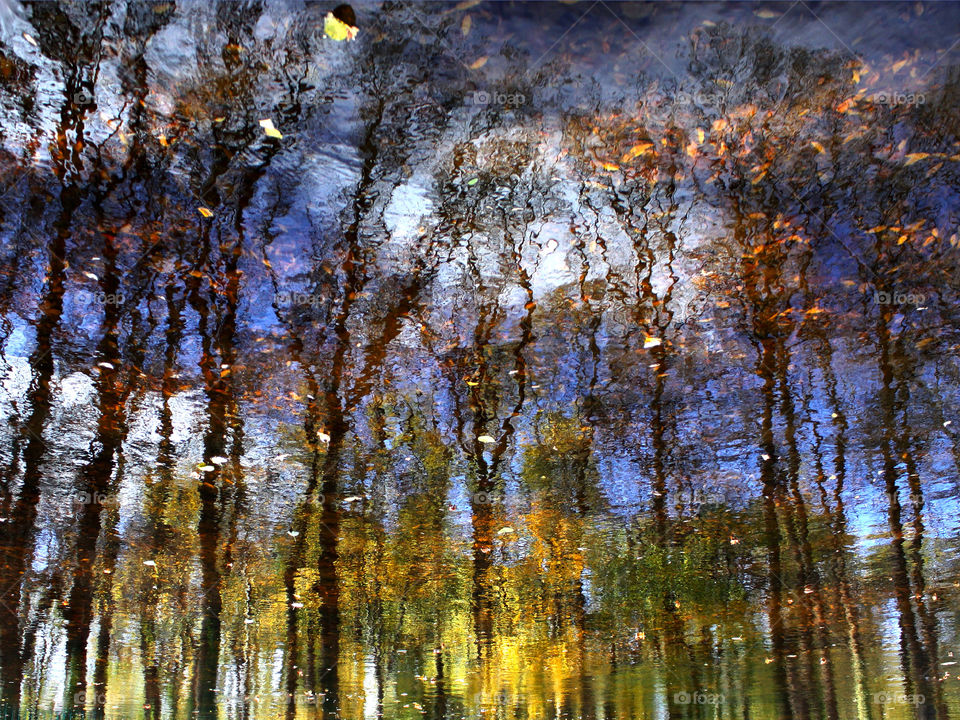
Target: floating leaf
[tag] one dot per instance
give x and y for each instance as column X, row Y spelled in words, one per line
column 914, row 158
column 472, row 182
column 651, row 342
column 611, row 167
column 766, row 14
column 206, row 212
column 636, row 151
column 466, row 25
column 269, row 129
column 479, row 63
column 486, row 439
column 323, row 437
column 335, row 29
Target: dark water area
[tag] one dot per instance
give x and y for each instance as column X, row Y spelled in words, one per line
column 494, row 360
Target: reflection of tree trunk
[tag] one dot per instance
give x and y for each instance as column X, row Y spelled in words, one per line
column 95, row 482
column 156, row 497
column 481, row 503
column 15, row 541
column 440, row 702
column 220, row 407
column 783, row 691
column 928, row 627
column 328, row 583
column 849, row 608
column 481, row 514
column 100, row 668
column 916, row 663
column 14, row 545
column 811, row 606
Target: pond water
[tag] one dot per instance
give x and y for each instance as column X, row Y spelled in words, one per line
column 578, row 360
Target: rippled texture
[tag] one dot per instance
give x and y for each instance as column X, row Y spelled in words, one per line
column 532, row 361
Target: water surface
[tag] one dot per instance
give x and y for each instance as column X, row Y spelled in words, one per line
column 580, row 360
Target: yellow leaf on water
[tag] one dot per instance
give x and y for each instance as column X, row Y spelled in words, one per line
column 651, row 342
column 766, row 14
column 611, row 167
column 206, row 212
column 817, row 146
column 915, row 157
column 700, row 136
column 486, row 439
column 336, row 29
column 269, row 129
column 466, row 25
column 479, row 63
column 636, row 151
